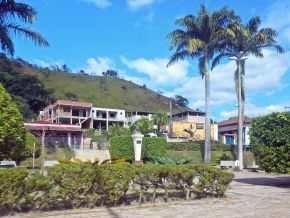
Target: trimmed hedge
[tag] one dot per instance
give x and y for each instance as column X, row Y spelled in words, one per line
column 87, row 185
column 122, row 147
column 270, row 139
column 194, row 146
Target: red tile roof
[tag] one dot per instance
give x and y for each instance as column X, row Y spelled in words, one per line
column 52, row 126
column 234, row 120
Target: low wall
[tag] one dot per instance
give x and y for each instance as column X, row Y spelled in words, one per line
column 87, row 154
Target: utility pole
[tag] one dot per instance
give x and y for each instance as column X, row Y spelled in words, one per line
column 170, row 118
column 42, row 150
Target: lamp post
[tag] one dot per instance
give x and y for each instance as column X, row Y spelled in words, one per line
column 137, row 140
column 239, row 58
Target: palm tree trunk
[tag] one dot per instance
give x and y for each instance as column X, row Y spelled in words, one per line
column 207, row 146
column 240, row 117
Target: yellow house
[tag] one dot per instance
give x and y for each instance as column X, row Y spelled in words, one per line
column 191, row 124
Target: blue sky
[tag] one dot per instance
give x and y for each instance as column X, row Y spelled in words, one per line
column 129, row 36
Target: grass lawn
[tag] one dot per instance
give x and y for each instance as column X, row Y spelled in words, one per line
column 196, row 156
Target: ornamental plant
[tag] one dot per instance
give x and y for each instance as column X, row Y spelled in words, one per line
column 270, row 140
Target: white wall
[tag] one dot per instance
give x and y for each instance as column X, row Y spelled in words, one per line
column 119, row 117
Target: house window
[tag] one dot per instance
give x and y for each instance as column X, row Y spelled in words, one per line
column 66, row 109
column 199, row 126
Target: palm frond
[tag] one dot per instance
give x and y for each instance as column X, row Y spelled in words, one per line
column 195, row 45
column 6, row 43
column 28, row 33
column 24, row 12
column 254, row 24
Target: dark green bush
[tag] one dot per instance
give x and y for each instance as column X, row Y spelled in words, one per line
column 77, row 185
column 153, row 147
column 12, row 188
column 122, row 147
column 270, row 141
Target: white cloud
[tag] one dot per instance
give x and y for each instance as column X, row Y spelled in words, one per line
column 135, row 5
column 262, row 76
column 99, row 3
column 157, row 71
column 99, row 65
column 43, row 63
column 252, row 110
column 278, row 17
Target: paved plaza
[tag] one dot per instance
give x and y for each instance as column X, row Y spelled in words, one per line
column 256, row 195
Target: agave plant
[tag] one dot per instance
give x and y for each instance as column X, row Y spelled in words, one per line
column 168, row 160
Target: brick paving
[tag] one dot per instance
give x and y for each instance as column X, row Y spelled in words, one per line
column 256, row 195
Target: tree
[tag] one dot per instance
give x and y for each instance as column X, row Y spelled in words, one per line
column 9, row 11
column 12, row 130
column 28, row 150
column 182, row 101
column 160, row 119
column 117, row 130
column 201, row 38
column 110, row 73
column 143, row 125
column 65, row 68
column 241, row 42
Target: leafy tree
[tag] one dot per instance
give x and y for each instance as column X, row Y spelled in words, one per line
column 160, row 119
column 241, row 42
column 182, row 101
column 143, row 125
column 11, row 10
column 117, row 130
column 65, row 68
column 110, row 73
column 27, row 91
column 270, row 140
column 12, row 130
column 29, row 148
column 201, row 37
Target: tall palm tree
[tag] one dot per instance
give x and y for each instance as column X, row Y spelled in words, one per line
column 9, row 11
column 241, row 42
column 201, row 38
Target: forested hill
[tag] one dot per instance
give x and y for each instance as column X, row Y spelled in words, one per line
column 34, row 87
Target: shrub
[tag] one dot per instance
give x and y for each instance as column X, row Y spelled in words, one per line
column 75, row 185
column 122, row 147
column 223, row 156
column 12, row 188
column 270, row 141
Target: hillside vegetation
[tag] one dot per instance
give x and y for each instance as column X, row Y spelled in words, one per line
column 101, row 91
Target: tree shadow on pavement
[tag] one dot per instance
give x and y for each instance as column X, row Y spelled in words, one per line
column 113, row 213
column 281, row 182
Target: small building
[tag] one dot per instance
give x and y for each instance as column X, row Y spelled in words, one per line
column 191, row 124
column 102, row 118
column 57, row 134
column 228, row 130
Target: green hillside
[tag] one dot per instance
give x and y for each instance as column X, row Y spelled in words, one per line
column 101, row 91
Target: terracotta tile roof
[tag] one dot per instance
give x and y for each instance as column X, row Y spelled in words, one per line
column 52, row 126
column 234, row 120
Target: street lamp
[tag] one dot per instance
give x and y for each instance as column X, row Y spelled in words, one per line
column 241, row 57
